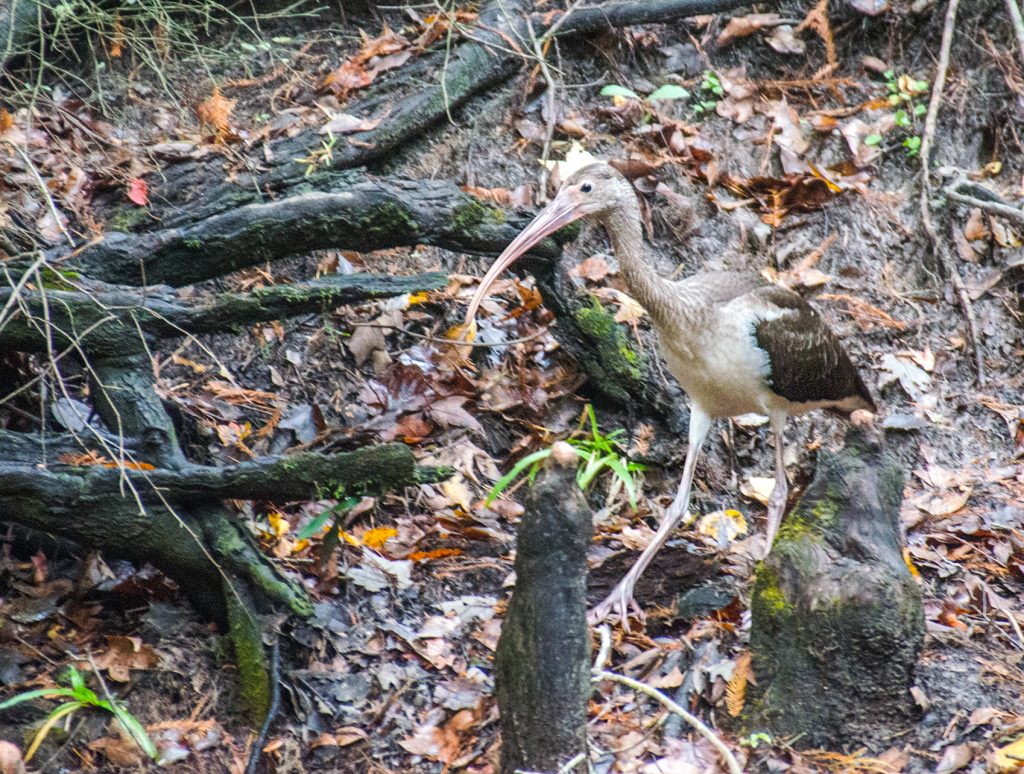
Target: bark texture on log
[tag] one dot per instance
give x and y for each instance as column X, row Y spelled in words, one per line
column 617, row 371
column 106, row 320
column 21, row 23
column 542, row 664
column 838, row 621
column 354, row 212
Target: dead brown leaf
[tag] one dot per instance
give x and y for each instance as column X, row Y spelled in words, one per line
column 736, row 688
column 124, row 654
column 385, row 52
column 976, row 230
column 214, row 114
column 593, row 269
column 742, row 26
column 785, row 41
column 119, row 750
column 449, row 412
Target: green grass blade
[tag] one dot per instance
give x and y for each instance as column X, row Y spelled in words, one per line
column 36, row 694
column 314, row 527
column 502, row 484
column 136, row 731
column 595, row 463
column 620, row 470
column 51, row 721
column 77, row 682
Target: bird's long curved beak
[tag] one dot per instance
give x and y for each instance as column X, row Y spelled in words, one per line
column 561, row 211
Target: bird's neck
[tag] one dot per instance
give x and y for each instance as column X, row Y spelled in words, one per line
column 665, row 301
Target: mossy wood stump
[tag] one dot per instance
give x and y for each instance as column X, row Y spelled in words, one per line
column 837, row 618
column 542, row 665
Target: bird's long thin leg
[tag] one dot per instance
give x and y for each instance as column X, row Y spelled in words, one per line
column 621, row 597
column 777, row 500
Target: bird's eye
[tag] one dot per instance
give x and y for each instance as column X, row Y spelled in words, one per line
column 586, row 188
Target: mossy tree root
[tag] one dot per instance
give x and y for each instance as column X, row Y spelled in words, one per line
column 837, row 618
column 308, row 475
column 106, row 321
column 353, row 212
column 542, row 664
column 616, row 370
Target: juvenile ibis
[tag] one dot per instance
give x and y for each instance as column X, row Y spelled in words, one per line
column 735, row 344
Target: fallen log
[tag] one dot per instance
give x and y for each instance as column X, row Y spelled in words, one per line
column 542, row 663
column 303, row 476
column 355, row 213
column 837, row 619
column 106, row 321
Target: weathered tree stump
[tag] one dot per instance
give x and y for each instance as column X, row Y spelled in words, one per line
column 838, row 621
column 542, row 665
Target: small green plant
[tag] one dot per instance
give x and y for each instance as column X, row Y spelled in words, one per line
column 335, row 512
column 711, row 91
column 903, row 94
column 597, row 452
column 79, row 696
column 756, row 739
column 321, row 157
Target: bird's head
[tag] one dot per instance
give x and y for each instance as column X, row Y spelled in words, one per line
column 591, row 192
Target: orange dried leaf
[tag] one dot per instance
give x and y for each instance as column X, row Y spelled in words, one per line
column 6, row 121
column 736, row 688
column 117, row 40
column 215, row 113
column 378, row 536
column 437, row 553
column 128, row 465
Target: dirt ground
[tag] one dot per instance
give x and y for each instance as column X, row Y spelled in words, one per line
column 394, row 675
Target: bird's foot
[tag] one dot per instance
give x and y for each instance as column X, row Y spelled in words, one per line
column 619, row 602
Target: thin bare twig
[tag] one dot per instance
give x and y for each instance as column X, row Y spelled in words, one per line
column 993, row 205
column 938, row 245
column 551, row 98
column 599, row 673
column 730, row 760
column 1018, row 25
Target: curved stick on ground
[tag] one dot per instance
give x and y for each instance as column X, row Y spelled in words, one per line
column 698, row 725
column 949, row 267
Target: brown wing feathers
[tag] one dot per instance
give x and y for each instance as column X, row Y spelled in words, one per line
column 806, row 359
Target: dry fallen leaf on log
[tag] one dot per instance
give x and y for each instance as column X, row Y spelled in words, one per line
column 214, row 113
